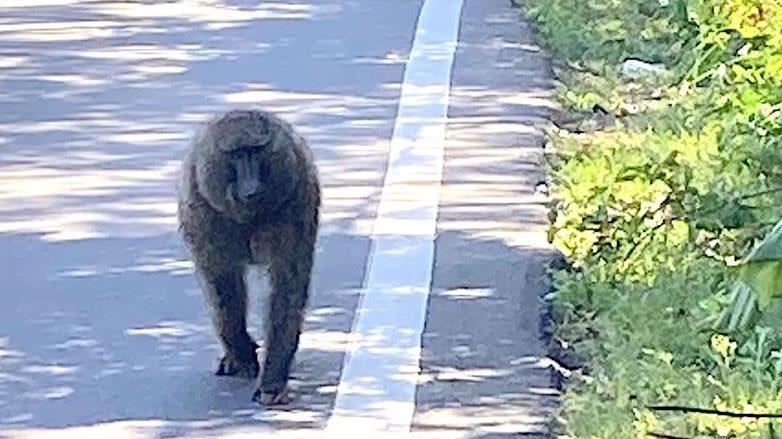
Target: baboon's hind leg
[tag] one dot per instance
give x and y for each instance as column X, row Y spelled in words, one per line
column 289, row 275
column 227, row 294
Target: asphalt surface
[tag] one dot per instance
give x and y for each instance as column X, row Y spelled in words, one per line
column 103, row 331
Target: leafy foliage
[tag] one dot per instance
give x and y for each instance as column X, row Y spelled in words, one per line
column 652, row 209
column 758, row 284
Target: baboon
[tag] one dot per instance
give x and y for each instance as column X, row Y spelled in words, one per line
column 250, row 194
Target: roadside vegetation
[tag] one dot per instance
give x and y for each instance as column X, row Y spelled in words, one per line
column 666, row 171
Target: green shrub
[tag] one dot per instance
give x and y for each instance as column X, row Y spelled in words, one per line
column 644, row 348
column 650, row 209
column 610, row 30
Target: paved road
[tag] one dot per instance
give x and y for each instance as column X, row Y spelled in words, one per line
column 103, row 331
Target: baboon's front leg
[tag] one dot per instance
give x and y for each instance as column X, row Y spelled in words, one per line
column 227, row 295
column 289, row 273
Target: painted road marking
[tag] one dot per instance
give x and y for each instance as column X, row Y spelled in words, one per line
column 376, row 392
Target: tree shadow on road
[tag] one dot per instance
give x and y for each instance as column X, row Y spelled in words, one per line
column 99, row 331
column 484, row 360
column 119, row 341
column 99, row 99
column 103, row 330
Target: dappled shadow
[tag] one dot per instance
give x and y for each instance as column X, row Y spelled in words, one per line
column 483, row 365
column 101, row 97
column 104, row 331
column 484, row 368
column 119, row 341
column 500, row 101
column 120, row 333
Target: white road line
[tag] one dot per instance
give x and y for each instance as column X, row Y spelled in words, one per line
column 376, row 392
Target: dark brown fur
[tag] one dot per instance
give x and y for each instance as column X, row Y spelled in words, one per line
column 277, row 230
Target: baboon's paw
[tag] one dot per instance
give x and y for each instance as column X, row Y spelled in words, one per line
column 282, row 397
column 230, row 366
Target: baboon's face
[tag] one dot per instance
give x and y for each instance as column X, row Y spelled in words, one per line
column 251, row 168
column 250, row 178
column 260, row 177
column 250, row 173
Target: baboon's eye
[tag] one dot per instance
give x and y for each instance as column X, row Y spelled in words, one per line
column 255, row 146
column 232, row 174
column 241, row 153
